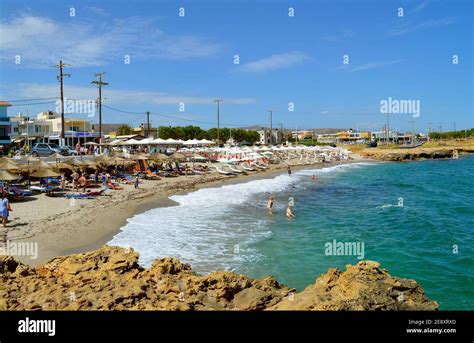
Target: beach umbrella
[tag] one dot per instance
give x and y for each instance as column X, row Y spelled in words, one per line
column 39, row 165
column 90, row 143
column 63, row 165
column 158, row 156
column 6, row 163
column 7, row 176
column 139, row 157
column 177, row 157
column 75, row 162
column 45, row 172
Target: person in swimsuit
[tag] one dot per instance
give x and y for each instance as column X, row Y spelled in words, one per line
column 289, row 212
column 289, row 171
column 5, row 208
column 270, row 205
column 313, row 177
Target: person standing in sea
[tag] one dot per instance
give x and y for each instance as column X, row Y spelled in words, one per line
column 270, row 205
column 289, row 212
column 289, row 171
column 5, row 208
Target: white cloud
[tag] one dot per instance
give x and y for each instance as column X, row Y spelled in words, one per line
column 409, row 28
column 275, row 62
column 374, row 65
column 42, row 41
column 117, row 96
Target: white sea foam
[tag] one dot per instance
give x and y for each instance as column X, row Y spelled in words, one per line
column 205, row 229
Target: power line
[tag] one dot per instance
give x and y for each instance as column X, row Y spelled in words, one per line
column 21, row 100
column 35, row 103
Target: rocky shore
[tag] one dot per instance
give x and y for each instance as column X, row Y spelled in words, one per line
column 411, row 154
column 110, row 278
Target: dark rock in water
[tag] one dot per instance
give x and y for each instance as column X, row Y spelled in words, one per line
column 110, row 278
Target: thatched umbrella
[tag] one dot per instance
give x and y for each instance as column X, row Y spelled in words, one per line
column 45, row 172
column 8, row 164
column 139, row 157
column 40, row 165
column 177, row 157
column 62, row 165
column 158, row 156
column 5, row 175
column 75, row 162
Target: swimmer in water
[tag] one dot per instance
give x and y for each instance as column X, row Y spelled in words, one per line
column 270, row 205
column 313, row 178
column 289, row 212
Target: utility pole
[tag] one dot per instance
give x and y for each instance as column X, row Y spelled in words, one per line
column 412, row 121
column 100, row 83
column 429, row 128
column 218, row 101
column 61, row 94
column 281, row 132
column 454, row 124
column 148, row 120
column 388, row 128
column 271, row 127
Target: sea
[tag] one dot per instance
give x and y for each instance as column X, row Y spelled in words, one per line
column 415, row 218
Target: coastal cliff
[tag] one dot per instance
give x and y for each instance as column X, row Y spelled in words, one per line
column 110, row 278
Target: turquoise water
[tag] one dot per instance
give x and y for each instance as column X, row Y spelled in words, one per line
column 413, row 240
column 410, row 217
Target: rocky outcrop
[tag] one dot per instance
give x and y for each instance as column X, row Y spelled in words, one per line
column 110, row 278
column 407, row 154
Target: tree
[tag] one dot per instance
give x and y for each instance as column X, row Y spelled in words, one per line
column 124, row 130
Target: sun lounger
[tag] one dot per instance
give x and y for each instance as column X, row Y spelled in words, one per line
column 223, row 172
column 235, row 170
column 20, row 191
column 247, row 167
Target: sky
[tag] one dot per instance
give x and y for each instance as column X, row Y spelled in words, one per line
column 284, row 56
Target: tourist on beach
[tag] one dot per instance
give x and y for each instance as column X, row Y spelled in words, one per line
column 289, row 212
column 270, row 205
column 289, row 171
column 96, row 176
column 5, row 208
column 136, row 182
column 75, row 179
column 78, row 148
column 62, row 184
column 83, row 182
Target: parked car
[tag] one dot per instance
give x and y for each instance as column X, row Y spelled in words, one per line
column 46, row 149
column 372, row 144
column 71, row 150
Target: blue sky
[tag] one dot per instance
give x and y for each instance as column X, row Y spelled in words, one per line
column 283, row 59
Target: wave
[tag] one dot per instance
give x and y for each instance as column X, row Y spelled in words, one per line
column 206, row 228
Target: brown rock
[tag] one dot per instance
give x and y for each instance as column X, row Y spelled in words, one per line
column 110, row 278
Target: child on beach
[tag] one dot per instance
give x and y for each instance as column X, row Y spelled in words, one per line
column 5, row 208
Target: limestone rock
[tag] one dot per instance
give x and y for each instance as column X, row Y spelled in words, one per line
column 110, row 278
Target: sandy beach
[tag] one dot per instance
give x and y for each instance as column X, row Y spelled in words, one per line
column 62, row 226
